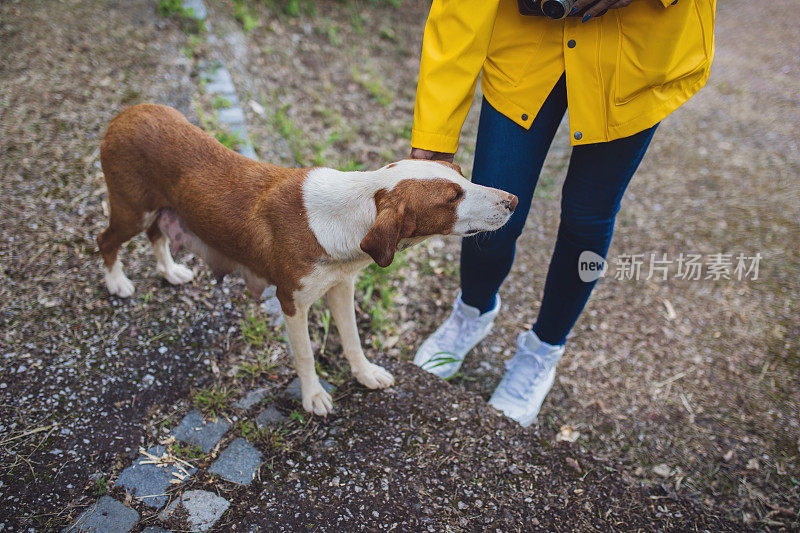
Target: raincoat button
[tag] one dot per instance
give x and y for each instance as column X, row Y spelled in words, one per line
column 578, row 136
column 524, row 116
column 571, row 43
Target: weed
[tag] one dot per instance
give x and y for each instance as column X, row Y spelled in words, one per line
column 378, row 290
column 187, row 17
column 187, row 452
column 263, row 365
column 229, row 139
column 254, row 329
column 330, row 30
column 192, row 45
column 297, row 416
column 243, row 15
column 100, row 486
column 291, row 132
column 211, row 401
column 220, row 102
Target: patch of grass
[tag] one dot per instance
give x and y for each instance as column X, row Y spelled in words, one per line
column 252, row 371
column 293, row 8
column 291, row 132
column 220, row 102
column 229, row 139
column 100, row 486
column 254, row 329
column 212, row 401
column 244, row 15
column 373, row 83
column 187, row 452
column 378, row 289
column 186, row 17
column 330, row 29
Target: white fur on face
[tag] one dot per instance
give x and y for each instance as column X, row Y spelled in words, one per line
column 341, row 208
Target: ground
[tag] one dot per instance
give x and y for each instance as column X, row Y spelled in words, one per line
column 684, row 394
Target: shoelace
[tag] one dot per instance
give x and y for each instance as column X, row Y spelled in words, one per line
column 525, row 370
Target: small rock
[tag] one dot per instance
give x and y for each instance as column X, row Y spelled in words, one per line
column 204, row 508
column 269, row 416
column 252, row 398
column 195, row 429
column 149, row 482
column 293, row 392
column 662, row 470
column 107, row 516
column 238, row 463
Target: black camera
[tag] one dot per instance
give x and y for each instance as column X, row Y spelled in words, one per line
column 554, row 9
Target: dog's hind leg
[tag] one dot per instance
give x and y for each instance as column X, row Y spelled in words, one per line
column 172, row 271
column 340, row 300
column 315, row 398
column 124, row 223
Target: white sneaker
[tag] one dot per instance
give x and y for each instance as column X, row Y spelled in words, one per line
column 530, row 374
column 444, row 351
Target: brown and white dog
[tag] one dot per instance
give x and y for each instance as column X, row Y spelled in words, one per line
column 306, row 231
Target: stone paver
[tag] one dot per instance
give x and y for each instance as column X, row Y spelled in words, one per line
column 149, row 482
column 220, row 82
column 204, row 508
column 195, row 429
column 197, row 7
column 293, row 390
column 252, row 398
column 106, row 516
column 269, row 416
column 238, row 463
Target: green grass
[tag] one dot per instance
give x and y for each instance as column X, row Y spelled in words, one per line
column 187, row 452
column 220, row 102
column 212, row 401
column 291, row 132
column 187, row 17
column 378, row 290
column 100, row 486
column 244, row 15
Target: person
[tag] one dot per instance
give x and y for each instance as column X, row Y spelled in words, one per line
column 620, row 68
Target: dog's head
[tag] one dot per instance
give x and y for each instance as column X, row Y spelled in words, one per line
column 431, row 198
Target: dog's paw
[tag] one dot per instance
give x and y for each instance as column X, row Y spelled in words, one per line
column 119, row 285
column 176, row 274
column 318, row 401
column 373, row 376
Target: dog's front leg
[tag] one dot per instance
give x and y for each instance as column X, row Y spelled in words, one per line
column 315, row 398
column 340, row 300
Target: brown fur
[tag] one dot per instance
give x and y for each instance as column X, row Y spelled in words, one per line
column 413, row 208
column 250, row 212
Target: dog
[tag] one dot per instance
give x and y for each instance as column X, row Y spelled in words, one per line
column 307, row 231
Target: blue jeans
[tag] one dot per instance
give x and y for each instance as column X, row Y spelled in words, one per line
column 509, row 157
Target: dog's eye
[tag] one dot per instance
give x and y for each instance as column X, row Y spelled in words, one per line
column 456, row 196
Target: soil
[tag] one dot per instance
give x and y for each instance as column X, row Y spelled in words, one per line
column 684, row 393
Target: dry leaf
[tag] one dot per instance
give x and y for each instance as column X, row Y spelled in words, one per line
column 567, row 434
column 662, row 470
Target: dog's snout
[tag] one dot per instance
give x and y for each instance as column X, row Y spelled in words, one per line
column 511, row 202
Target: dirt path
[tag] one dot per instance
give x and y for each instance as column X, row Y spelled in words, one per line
column 700, row 402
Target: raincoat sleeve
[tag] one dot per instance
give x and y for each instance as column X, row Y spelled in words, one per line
column 454, row 48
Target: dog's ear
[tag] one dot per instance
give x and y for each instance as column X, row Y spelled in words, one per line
column 382, row 239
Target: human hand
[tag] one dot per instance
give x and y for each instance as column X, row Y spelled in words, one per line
column 599, row 7
column 419, row 153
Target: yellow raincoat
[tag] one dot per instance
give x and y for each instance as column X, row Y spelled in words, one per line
column 626, row 70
